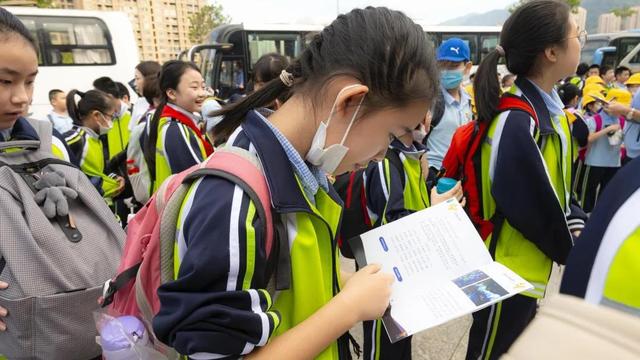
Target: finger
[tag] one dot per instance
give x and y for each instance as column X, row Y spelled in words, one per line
column 3, row 285
column 371, row 268
column 3, row 326
column 3, row 312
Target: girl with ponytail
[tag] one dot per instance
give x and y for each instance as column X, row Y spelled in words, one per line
column 366, row 79
column 92, row 116
column 527, row 164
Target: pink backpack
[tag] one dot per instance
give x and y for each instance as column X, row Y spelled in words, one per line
column 148, row 258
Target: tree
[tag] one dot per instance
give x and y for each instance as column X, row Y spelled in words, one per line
column 573, row 4
column 205, row 20
column 38, row 3
column 623, row 12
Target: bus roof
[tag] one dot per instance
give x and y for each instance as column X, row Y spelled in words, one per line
column 26, row 10
column 612, row 36
column 319, row 27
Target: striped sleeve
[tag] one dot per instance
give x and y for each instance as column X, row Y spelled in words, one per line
column 180, row 147
column 218, row 306
column 384, row 192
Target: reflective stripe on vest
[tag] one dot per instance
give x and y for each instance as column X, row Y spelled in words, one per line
column 514, row 250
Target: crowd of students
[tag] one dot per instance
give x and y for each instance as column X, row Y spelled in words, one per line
column 370, row 98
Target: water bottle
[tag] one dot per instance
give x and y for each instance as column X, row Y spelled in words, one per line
column 123, row 338
column 445, row 184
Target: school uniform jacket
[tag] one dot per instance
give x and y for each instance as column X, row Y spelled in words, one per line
column 218, row 306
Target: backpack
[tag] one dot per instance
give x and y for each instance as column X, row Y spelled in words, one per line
column 582, row 154
column 148, row 258
column 355, row 217
column 462, row 160
column 137, row 167
column 55, row 266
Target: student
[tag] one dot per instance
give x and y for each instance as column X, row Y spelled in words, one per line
column 594, row 70
column 392, row 193
column 526, row 166
column 603, row 267
column 117, row 138
column 603, row 154
column 125, row 96
column 143, row 71
column 622, row 74
column 175, row 140
column 339, row 117
column 581, row 75
column 93, row 115
column 454, row 64
column 569, row 95
column 633, row 84
column 608, row 75
column 58, row 116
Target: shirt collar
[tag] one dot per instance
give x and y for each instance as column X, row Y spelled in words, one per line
column 552, row 101
column 414, row 149
column 311, row 177
column 450, row 100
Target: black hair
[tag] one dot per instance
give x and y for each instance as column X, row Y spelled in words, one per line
column 107, row 85
column 568, row 92
column 53, row 93
column 604, row 69
column 594, row 66
column 621, row 69
column 123, row 91
column 11, row 24
column 531, row 28
column 151, row 90
column 269, row 67
column 169, row 78
column 582, row 69
column 383, row 49
column 149, row 68
column 92, row 100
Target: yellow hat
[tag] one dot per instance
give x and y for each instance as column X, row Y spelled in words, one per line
column 634, row 79
column 589, row 98
column 620, row 96
column 595, row 79
column 593, row 88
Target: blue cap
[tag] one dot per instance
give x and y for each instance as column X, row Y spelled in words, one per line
column 454, row 49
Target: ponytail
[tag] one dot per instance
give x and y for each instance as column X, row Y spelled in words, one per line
column 72, row 106
column 486, row 87
column 233, row 114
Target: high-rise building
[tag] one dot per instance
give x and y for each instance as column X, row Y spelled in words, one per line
column 611, row 23
column 580, row 16
column 161, row 26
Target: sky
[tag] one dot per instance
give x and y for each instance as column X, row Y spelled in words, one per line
column 428, row 12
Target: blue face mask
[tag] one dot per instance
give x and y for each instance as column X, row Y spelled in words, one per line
column 451, row 79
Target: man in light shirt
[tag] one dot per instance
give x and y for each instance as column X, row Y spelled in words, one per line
column 58, row 116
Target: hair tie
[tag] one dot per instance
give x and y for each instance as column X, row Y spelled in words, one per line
column 500, row 50
column 286, row 78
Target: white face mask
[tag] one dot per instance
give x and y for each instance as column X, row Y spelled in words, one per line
column 419, row 134
column 105, row 129
column 329, row 158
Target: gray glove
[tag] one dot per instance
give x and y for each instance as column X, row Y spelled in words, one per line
column 53, row 193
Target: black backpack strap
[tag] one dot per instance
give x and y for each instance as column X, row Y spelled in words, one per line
column 279, row 260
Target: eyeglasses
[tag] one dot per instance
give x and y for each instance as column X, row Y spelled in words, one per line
column 582, row 37
column 112, row 116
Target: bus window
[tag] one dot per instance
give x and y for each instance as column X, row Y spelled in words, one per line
column 590, row 48
column 75, row 41
column 625, row 46
column 287, row 44
column 487, row 44
column 232, row 77
column 470, row 40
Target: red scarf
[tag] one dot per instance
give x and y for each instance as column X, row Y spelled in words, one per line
column 168, row 111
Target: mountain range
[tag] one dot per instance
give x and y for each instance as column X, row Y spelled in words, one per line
column 595, row 8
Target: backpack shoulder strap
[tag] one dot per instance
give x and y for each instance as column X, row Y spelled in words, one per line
column 622, row 122
column 598, row 119
column 513, row 102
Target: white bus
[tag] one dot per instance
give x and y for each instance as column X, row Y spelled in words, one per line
column 226, row 59
column 75, row 47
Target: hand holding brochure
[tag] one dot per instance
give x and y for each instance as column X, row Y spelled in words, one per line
column 442, row 269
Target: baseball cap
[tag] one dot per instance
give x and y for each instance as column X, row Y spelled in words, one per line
column 454, row 49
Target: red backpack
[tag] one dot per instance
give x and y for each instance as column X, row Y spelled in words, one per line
column 462, row 160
